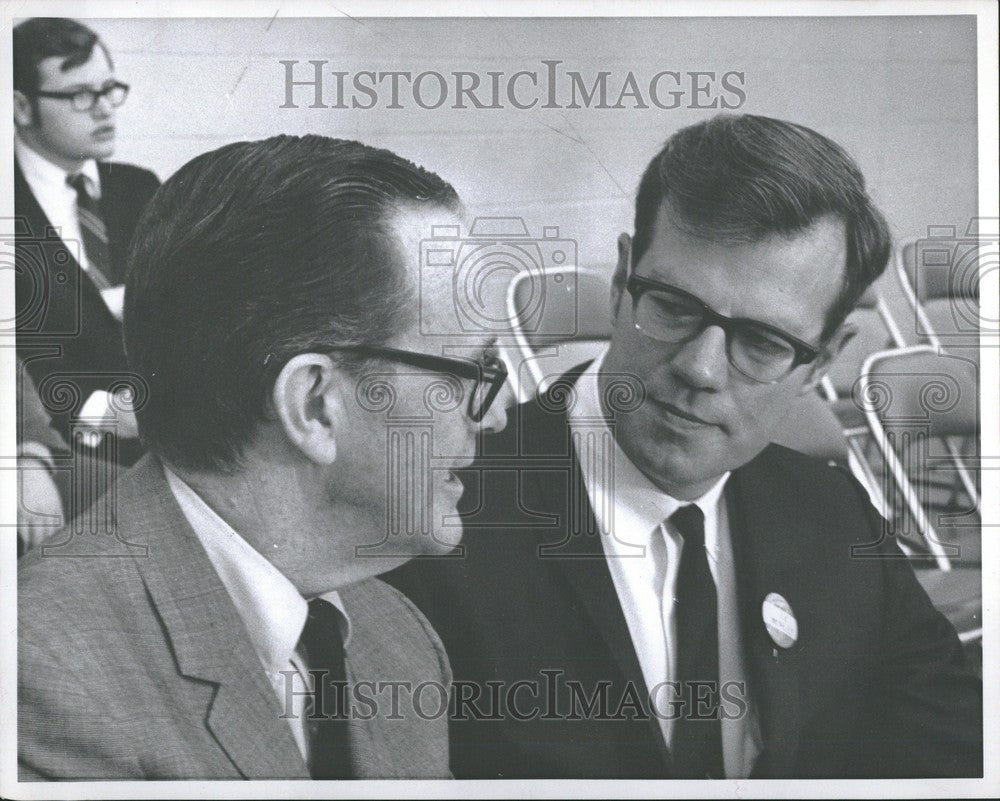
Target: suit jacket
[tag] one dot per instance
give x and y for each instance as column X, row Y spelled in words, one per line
column 876, row 685
column 70, row 342
column 133, row 663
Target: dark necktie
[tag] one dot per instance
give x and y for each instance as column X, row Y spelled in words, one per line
column 323, row 649
column 697, row 743
column 95, row 235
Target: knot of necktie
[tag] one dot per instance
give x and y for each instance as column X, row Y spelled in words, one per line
column 690, row 522
column 79, row 183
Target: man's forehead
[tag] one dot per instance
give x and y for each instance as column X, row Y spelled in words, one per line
column 413, row 224
column 438, row 327
column 51, row 73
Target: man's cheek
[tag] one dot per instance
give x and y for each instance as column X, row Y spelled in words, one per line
column 767, row 413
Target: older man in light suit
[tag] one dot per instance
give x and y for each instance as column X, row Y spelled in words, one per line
column 232, row 627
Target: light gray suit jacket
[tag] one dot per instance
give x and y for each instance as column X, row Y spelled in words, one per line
column 133, row 662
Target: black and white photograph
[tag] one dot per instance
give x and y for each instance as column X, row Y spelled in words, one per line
column 554, row 399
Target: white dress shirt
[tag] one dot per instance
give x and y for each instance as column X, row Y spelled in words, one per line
column 272, row 610
column 643, row 552
column 47, row 182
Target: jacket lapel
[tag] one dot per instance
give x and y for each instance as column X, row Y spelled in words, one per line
column 112, row 208
column 36, row 225
column 577, row 556
column 205, row 630
column 763, row 528
column 27, row 206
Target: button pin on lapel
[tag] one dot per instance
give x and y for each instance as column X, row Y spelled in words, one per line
column 780, row 620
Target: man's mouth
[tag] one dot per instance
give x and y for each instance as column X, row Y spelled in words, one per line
column 452, row 475
column 104, row 132
column 681, row 417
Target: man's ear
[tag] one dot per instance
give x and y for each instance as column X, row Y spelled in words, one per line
column 836, row 343
column 308, row 405
column 621, row 273
column 24, row 114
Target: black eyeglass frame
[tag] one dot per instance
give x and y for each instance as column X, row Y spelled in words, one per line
column 491, row 371
column 805, row 353
column 94, row 95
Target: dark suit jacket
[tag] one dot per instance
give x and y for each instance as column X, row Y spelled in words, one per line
column 66, row 336
column 876, row 685
column 134, row 663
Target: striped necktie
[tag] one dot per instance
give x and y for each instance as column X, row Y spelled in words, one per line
column 95, row 235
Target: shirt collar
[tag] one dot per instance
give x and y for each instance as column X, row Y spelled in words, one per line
column 270, row 606
column 38, row 171
column 631, row 509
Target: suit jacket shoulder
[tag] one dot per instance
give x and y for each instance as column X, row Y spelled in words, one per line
column 401, row 680
column 134, row 661
column 126, row 185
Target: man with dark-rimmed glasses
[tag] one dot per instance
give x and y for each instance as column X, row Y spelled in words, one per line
column 304, row 437
column 653, row 588
column 76, row 212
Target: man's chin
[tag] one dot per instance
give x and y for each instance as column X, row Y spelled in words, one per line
column 679, row 475
column 443, row 541
column 101, row 150
column 446, row 532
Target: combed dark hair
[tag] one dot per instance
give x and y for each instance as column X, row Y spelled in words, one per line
column 742, row 178
column 43, row 37
column 250, row 255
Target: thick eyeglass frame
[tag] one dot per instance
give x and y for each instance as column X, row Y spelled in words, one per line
column 491, row 371
column 804, row 353
column 91, row 95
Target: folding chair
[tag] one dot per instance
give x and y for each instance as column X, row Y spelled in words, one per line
column 878, row 330
column 939, row 276
column 559, row 318
column 912, row 396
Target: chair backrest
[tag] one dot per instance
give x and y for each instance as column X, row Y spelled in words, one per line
column 943, row 268
column 560, row 305
column 560, row 318
column 940, row 279
column 933, row 394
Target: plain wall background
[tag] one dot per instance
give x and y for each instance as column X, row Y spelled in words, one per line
column 898, row 92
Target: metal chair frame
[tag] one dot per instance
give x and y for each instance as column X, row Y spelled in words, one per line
column 892, row 459
column 934, row 341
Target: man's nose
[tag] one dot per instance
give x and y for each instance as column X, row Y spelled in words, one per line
column 702, row 362
column 495, row 418
column 102, row 107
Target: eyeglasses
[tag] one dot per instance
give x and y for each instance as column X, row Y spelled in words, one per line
column 759, row 351
column 86, row 99
column 489, row 374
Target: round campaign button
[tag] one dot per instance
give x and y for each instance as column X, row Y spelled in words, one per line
column 780, row 620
